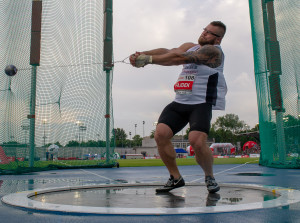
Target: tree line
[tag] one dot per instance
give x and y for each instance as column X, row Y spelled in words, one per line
column 227, row 128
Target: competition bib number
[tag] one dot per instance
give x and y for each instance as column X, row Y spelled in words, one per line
column 184, row 84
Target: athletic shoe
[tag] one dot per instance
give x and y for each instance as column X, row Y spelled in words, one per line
column 171, row 184
column 211, row 184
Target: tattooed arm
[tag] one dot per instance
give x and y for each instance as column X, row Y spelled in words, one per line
column 207, row 55
column 163, row 52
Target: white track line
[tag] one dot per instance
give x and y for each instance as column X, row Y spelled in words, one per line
column 91, row 172
column 97, row 175
column 224, row 171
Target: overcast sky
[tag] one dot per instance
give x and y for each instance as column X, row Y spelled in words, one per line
column 140, row 94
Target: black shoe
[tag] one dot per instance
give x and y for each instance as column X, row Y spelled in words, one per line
column 211, row 184
column 171, row 184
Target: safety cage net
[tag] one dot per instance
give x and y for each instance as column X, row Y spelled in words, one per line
column 276, row 47
column 53, row 111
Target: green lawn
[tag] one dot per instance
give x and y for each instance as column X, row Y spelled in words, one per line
column 183, row 162
column 20, row 167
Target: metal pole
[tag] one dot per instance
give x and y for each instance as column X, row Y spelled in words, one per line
column 44, row 136
column 107, row 66
column 107, row 115
column 79, row 135
column 36, row 25
column 182, row 139
column 32, row 116
column 274, row 67
column 143, row 129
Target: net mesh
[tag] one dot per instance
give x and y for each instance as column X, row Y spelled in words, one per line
column 70, row 86
column 276, row 42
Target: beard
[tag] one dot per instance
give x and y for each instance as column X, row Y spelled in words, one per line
column 203, row 42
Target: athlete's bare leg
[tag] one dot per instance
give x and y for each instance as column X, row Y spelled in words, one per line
column 163, row 136
column 203, row 153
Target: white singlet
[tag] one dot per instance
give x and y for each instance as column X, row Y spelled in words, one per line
column 199, row 84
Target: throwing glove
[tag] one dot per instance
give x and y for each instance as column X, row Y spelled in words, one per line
column 143, row 60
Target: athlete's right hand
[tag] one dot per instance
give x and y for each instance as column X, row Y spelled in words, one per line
column 142, row 60
column 133, row 57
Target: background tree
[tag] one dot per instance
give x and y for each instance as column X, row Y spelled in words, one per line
column 292, row 137
column 186, row 136
column 56, row 143
column 72, row 143
column 120, row 136
column 90, row 143
column 137, row 140
column 230, row 122
column 228, row 128
column 255, row 128
column 152, row 134
column 221, row 135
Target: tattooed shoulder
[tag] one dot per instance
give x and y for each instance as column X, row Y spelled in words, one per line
column 207, row 55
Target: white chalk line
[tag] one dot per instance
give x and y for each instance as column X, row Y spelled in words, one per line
column 224, row 171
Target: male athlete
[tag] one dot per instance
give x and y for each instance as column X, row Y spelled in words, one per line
column 200, row 88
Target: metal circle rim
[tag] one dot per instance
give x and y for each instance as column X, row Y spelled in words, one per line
column 22, row 200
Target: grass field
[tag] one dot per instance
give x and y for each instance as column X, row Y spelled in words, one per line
column 182, row 162
column 23, row 167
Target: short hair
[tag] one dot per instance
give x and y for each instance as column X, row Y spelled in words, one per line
column 219, row 24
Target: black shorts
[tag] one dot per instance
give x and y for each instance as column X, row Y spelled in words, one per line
column 177, row 115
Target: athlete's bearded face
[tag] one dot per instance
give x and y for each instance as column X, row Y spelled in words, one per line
column 210, row 35
column 203, row 41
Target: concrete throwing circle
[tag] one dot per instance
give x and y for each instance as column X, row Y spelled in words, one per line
column 141, row 199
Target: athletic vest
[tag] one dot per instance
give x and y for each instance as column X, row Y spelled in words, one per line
column 199, row 84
